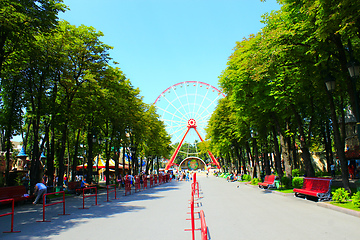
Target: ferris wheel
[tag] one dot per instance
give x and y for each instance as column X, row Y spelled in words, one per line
column 185, row 108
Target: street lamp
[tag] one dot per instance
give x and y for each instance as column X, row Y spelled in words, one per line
column 354, row 68
column 330, row 82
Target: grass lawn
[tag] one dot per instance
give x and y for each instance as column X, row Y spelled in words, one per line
column 57, row 196
column 285, row 190
column 347, row 205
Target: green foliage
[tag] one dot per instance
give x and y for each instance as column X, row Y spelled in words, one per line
column 255, row 181
column 340, row 195
column 297, row 182
column 356, row 199
column 246, row 177
column 297, row 172
column 322, row 174
column 285, row 181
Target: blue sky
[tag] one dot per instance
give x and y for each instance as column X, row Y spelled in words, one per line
column 158, row 43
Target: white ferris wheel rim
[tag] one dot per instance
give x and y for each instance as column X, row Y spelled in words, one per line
column 178, row 109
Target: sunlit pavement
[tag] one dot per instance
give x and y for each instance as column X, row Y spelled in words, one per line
column 232, row 211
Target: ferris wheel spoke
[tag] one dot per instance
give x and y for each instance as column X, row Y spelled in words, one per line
column 187, row 98
column 172, row 114
column 207, row 108
column 176, row 109
column 204, row 97
column 204, row 118
column 195, row 98
column 178, row 137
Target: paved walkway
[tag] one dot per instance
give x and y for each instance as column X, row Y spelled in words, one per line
column 232, row 211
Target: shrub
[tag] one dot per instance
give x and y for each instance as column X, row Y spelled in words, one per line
column 285, row 181
column 246, row 177
column 322, row 174
column 255, row 181
column 297, row 173
column 356, row 199
column 340, row 195
column 297, row 182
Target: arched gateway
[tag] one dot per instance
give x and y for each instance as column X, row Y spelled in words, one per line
column 192, row 163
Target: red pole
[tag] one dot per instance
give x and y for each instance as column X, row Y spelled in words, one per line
column 107, row 193
column 12, row 215
column 96, row 196
column 83, row 198
column 115, row 192
column 43, row 207
column 203, row 226
column 192, row 217
column 63, row 203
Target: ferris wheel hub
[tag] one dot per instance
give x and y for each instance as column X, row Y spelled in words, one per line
column 191, row 123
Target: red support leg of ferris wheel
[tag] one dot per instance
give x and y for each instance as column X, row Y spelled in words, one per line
column 191, row 124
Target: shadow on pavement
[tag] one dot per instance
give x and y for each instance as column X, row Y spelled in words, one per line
column 26, row 215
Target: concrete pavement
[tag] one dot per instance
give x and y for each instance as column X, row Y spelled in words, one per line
column 232, row 211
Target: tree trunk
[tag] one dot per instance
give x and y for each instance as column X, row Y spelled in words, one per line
column 339, row 145
column 60, row 182
column 277, row 155
column 310, row 172
column 266, row 160
column 90, row 156
column 285, row 153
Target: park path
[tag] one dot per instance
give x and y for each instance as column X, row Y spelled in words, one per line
column 232, row 211
column 239, row 211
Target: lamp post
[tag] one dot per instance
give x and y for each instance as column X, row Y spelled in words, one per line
column 100, row 141
column 354, row 68
column 330, row 83
column 91, row 141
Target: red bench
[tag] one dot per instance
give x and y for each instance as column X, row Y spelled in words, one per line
column 316, row 187
column 75, row 187
column 18, row 193
column 269, row 182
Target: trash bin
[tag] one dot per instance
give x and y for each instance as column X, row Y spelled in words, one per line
column 57, row 189
column 277, row 184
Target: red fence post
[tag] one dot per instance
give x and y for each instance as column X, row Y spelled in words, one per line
column 137, row 184
column 107, row 192
column 91, row 195
column 51, row 204
column 145, row 186
column 204, row 235
column 11, row 213
column 192, row 217
column 127, row 186
column 151, row 181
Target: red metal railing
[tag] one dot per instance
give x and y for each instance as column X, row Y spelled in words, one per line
column 155, row 179
column 145, row 186
column 204, row 233
column 195, row 186
column 137, row 184
column 110, row 191
column 89, row 195
column 51, row 204
column 11, row 213
column 151, row 181
column 127, row 186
